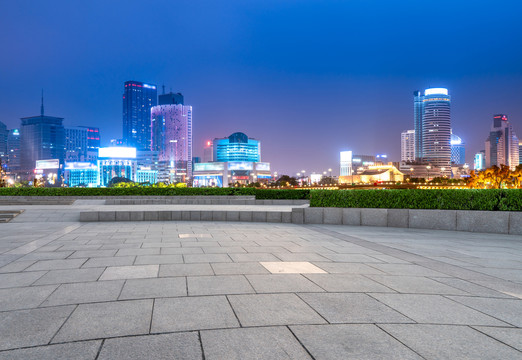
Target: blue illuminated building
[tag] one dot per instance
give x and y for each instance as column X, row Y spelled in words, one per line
column 458, row 150
column 237, row 147
column 82, row 174
column 138, row 99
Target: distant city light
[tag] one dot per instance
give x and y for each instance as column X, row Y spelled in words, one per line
column 436, row 91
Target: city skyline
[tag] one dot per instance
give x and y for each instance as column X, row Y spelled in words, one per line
column 280, row 91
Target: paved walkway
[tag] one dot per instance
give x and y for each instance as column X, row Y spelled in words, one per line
column 203, row 290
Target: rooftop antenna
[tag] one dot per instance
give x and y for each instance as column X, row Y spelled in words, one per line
column 42, row 107
column 163, row 89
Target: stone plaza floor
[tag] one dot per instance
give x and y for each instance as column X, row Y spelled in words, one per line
column 218, row 290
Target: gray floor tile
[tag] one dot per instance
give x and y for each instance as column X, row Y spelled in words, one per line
column 157, row 347
column 450, row 342
column 354, row 341
column 273, row 343
column 206, row 258
column 19, row 279
column 352, row 308
column 92, row 254
column 158, row 259
column 70, row 276
column 192, row 313
column 224, row 250
column 253, row 257
column 132, row 252
column 239, row 268
column 24, row 297
column 102, row 320
column 154, row 288
column 80, row 293
column 273, row 283
column 31, row 327
column 347, row 283
column 57, row 264
column 347, row 268
column 416, row 285
column 218, row 285
column 471, row 288
column 109, row 261
column 130, row 272
column 185, row 270
column 510, row 336
column 180, row 251
column 407, row 269
column 435, row 309
column 508, row 310
column 83, row 350
column 273, row 309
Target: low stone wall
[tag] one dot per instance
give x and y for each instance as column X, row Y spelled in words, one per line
column 498, row 222
column 204, row 200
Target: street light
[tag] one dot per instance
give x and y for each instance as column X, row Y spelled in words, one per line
column 428, row 171
column 442, row 169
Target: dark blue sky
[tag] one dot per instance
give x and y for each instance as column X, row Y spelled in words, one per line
column 307, row 78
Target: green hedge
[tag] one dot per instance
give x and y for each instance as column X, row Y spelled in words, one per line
column 282, row 194
column 154, row 191
column 450, row 199
column 134, row 191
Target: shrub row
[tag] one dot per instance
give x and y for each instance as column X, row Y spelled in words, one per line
column 121, row 191
column 450, row 199
column 157, row 191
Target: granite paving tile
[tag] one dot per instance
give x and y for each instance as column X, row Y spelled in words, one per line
column 79, row 293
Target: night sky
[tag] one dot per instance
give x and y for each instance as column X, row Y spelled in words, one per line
column 306, row 78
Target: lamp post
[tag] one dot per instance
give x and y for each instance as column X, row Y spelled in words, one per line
column 411, row 173
column 443, row 169
column 428, row 171
column 304, row 177
column 330, row 171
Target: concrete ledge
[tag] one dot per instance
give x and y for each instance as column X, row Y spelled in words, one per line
column 313, row 215
column 374, row 217
column 482, row 221
column 433, row 219
column 398, row 218
column 498, row 222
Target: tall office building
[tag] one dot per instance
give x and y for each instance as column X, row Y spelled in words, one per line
column 417, row 123
column 3, row 144
column 208, row 152
column 408, row 145
column 458, row 150
column 138, row 99
column 75, row 144
column 171, row 99
column 520, row 152
column 436, row 128
column 13, row 149
column 93, row 137
column 172, row 138
column 237, row 147
column 502, row 144
column 479, row 162
column 42, row 138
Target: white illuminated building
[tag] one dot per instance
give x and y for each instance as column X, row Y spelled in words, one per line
column 408, row 145
column 346, row 163
column 116, row 162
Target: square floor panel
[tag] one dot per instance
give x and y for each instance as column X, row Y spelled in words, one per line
column 287, row 267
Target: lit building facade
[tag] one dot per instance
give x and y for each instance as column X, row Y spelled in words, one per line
column 418, row 111
column 75, row 144
column 458, row 150
column 138, row 99
column 208, row 152
column 408, row 145
column 345, row 168
column 83, row 174
column 42, row 137
column 436, row 128
column 4, row 155
column 479, row 161
column 236, row 147
column 171, row 127
column 225, row 174
column 502, row 145
column 13, row 150
column 116, row 162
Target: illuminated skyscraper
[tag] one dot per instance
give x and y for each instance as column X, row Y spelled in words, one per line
column 237, row 147
column 436, row 128
column 138, row 99
column 172, row 139
column 458, row 150
column 502, row 144
column 417, row 121
column 408, row 145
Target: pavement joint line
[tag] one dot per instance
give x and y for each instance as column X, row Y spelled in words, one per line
column 102, row 343
column 398, row 253
column 234, row 311
column 201, row 345
column 404, row 344
column 300, row 342
column 474, row 327
column 63, row 324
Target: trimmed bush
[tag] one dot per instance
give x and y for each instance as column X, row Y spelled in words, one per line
column 444, row 199
column 287, row 194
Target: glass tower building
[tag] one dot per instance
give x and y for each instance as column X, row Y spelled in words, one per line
column 408, row 145
column 417, row 121
column 436, row 128
column 138, row 99
column 237, row 147
column 458, row 150
column 502, row 144
column 171, row 127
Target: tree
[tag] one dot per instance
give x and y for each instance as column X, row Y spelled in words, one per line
column 116, row 180
column 286, row 180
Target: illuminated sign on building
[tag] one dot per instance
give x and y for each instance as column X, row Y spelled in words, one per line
column 263, row 166
column 48, row 164
column 436, row 91
column 240, row 165
column 209, row 166
column 117, row 152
